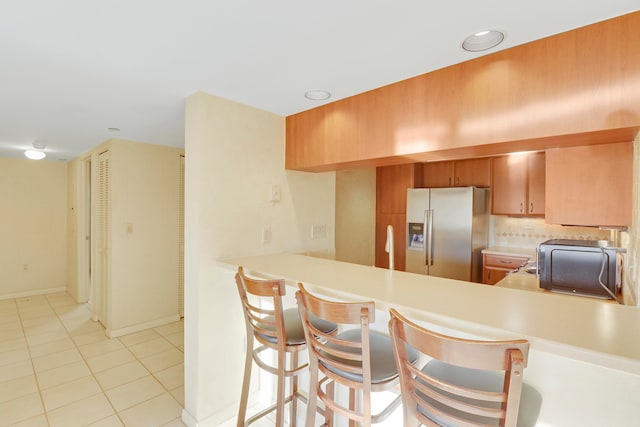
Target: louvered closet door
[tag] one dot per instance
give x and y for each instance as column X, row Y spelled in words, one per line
column 103, row 233
column 181, row 241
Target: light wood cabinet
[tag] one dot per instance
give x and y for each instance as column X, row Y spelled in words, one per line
column 458, row 173
column 392, row 183
column 519, row 96
column 590, row 185
column 496, row 267
column 518, row 185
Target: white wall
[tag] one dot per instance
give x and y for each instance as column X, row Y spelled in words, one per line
column 33, row 227
column 233, row 153
column 356, row 216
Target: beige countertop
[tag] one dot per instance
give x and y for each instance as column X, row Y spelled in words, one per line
column 522, row 281
column 604, row 334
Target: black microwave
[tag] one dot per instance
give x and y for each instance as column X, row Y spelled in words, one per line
column 576, row 267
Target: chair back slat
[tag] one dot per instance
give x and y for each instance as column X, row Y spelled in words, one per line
column 438, row 394
column 263, row 322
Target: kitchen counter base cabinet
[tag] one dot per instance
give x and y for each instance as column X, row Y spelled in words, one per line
column 496, row 267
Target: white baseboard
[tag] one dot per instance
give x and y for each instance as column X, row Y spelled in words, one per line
column 114, row 333
column 33, row 293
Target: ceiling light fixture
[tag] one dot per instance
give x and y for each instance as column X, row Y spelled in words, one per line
column 35, row 154
column 483, row 40
column 317, row 95
column 38, row 151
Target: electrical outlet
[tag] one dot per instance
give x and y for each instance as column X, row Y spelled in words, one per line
column 266, row 234
column 25, row 268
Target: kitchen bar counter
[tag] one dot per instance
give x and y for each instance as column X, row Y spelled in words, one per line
column 584, row 357
column 599, row 333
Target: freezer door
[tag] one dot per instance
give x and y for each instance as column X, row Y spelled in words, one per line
column 452, row 233
column 417, row 209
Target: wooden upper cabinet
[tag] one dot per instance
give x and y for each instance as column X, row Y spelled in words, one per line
column 437, row 174
column 518, row 185
column 391, row 186
column 536, row 184
column 476, row 172
column 590, row 185
column 458, row 173
column 516, row 99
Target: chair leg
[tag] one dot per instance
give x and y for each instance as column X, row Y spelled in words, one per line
column 312, row 398
column 328, row 413
column 244, row 397
column 352, row 406
column 280, row 391
column 294, row 390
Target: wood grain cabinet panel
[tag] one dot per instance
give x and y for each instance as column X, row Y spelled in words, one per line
column 458, row 173
column 475, row 172
column 590, row 185
column 515, row 99
column 518, row 185
column 437, row 174
column 392, row 183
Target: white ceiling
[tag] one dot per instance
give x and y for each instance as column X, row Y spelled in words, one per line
column 70, row 69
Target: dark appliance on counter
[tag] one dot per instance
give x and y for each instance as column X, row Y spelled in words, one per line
column 576, row 267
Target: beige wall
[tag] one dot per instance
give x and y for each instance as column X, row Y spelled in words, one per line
column 356, row 216
column 144, row 249
column 143, row 244
column 33, row 227
column 233, row 154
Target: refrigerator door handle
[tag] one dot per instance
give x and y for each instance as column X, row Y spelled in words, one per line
column 429, row 238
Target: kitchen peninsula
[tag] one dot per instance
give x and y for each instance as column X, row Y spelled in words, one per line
column 585, row 356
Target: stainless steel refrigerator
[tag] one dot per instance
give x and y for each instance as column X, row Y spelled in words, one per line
column 447, row 228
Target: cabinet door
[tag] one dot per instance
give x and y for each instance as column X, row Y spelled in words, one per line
column 536, row 187
column 491, row 276
column 590, row 185
column 509, row 187
column 476, row 172
column 391, row 186
column 437, row 174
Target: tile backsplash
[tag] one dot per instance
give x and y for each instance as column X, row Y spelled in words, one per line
column 528, row 233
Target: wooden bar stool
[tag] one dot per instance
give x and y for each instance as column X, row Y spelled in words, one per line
column 466, row 382
column 357, row 358
column 273, row 329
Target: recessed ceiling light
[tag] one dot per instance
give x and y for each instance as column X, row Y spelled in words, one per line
column 113, row 129
column 483, row 40
column 317, row 95
column 35, row 154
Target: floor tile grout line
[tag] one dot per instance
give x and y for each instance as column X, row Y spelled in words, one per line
column 117, row 413
column 35, row 376
column 68, row 335
column 93, row 375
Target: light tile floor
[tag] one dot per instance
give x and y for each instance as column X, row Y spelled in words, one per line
column 58, row 368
